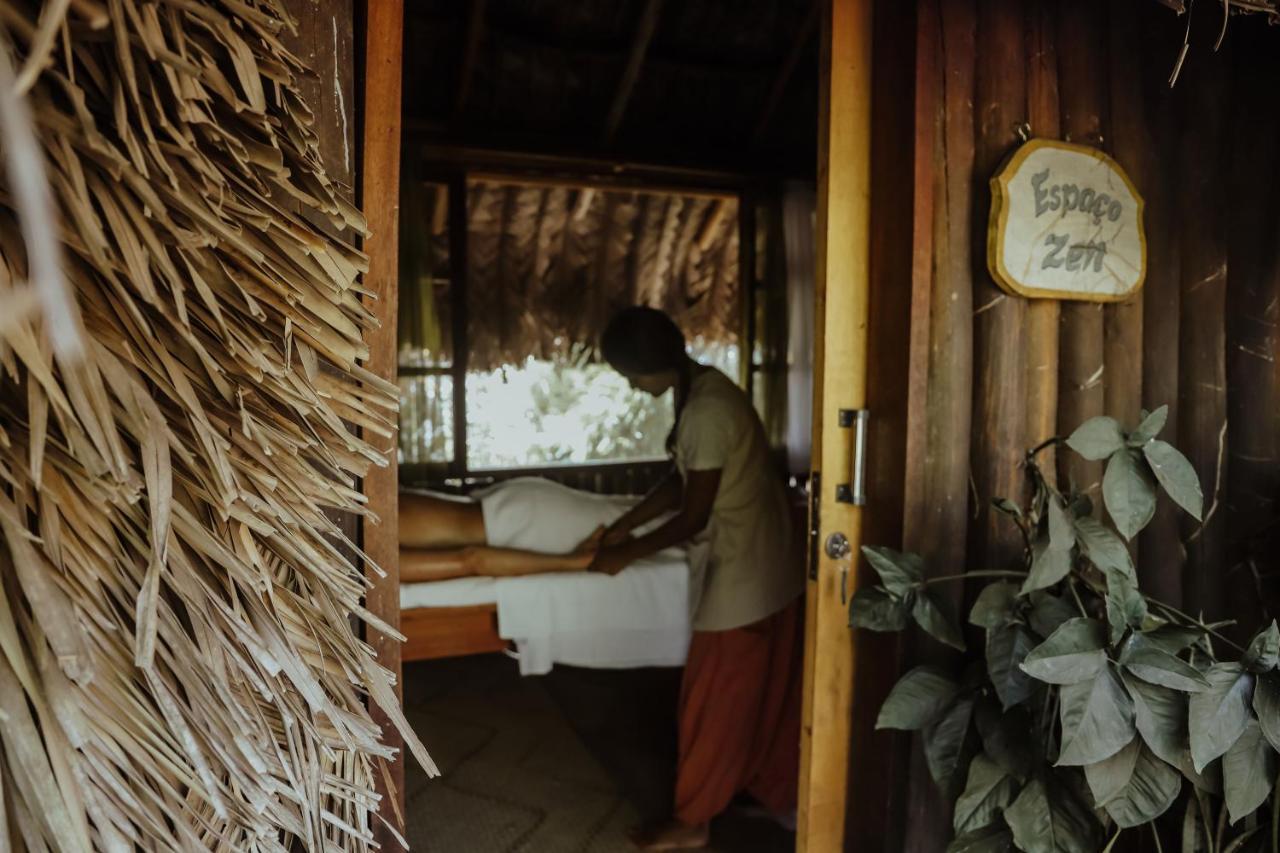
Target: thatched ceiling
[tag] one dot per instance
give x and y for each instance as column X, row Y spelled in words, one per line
column 714, row 82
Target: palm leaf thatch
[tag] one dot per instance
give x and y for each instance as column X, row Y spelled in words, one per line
column 178, row 668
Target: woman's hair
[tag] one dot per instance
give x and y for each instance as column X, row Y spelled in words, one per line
column 643, row 341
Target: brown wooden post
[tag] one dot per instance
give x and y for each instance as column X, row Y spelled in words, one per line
column 1202, row 419
column 938, row 456
column 1253, row 310
column 380, row 180
column 1081, row 368
column 1043, row 315
column 1130, row 145
column 999, row 436
column 1160, row 552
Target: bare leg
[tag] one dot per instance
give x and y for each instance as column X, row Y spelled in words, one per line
column 673, row 836
column 434, row 564
column 431, row 522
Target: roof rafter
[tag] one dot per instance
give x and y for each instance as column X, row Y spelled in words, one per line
column 635, row 61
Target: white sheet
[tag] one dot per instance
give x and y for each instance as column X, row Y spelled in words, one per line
column 640, row 617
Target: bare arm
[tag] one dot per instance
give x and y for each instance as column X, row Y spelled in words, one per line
column 699, row 493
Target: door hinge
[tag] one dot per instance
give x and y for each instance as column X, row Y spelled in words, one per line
column 815, row 521
column 855, row 490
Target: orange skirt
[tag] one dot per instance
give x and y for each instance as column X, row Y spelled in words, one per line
column 740, row 718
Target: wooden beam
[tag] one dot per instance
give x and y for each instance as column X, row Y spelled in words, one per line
column 786, row 70
column 840, row 382
column 380, row 179
column 635, row 61
column 470, row 55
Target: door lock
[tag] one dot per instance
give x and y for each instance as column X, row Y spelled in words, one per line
column 838, row 547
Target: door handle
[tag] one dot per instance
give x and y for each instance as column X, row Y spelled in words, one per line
column 855, row 491
column 839, row 548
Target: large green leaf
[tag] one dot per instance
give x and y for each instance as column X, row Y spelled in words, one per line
column 1248, row 769
column 1007, row 736
column 1217, row 716
column 1173, row 638
column 1062, row 534
column 991, row 839
column 1151, row 663
column 899, row 572
column 1097, row 719
column 1152, row 787
column 1048, row 612
column 1103, row 548
column 934, row 620
column 1107, row 778
column 1050, row 819
column 1074, row 653
column 1097, row 438
column 1007, row 648
column 1129, row 492
column 1263, row 654
column 875, row 609
column 1126, row 606
column 1160, row 715
column 1150, row 427
column 1176, row 476
column 916, row 700
column 1048, row 566
column 994, row 606
column 944, row 745
column 987, row 792
column 1266, row 704
column 1209, row 781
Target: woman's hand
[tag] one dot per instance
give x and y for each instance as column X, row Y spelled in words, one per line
column 609, row 561
column 613, row 537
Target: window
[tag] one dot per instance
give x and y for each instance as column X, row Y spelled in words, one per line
column 496, row 365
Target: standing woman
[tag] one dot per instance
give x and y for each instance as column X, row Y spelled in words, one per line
column 739, row 720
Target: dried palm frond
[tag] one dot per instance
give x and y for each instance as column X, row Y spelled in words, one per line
column 177, row 668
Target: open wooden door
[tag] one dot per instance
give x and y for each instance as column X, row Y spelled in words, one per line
column 840, row 374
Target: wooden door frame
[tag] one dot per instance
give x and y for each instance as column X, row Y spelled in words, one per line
column 852, row 777
column 379, row 186
column 854, row 249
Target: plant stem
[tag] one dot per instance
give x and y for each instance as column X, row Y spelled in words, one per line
column 1196, row 623
column 1156, row 835
column 1275, row 820
column 1112, row 843
column 1076, row 596
column 966, row 575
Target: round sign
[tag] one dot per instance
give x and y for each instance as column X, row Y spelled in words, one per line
column 1066, row 223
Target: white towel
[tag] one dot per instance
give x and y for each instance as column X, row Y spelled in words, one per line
column 639, row 617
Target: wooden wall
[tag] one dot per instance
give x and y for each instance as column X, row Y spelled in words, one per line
column 991, row 375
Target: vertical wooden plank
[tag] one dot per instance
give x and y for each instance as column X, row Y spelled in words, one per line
column 1253, row 343
column 1043, row 315
column 876, row 810
column 945, row 137
column 1130, row 144
column 380, row 182
column 1081, row 379
column 999, row 436
column 1160, row 552
column 1202, row 418
column 843, row 233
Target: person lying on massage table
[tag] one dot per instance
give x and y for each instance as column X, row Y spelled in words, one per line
column 524, row 526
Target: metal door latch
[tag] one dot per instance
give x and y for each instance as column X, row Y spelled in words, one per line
column 855, row 491
column 839, row 548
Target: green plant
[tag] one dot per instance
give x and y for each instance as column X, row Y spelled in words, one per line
column 1091, row 703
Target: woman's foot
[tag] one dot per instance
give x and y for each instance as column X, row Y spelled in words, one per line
column 672, row 836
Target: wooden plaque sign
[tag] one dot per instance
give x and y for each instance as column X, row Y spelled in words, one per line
column 1066, row 223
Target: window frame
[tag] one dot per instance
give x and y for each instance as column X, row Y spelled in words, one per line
column 456, row 176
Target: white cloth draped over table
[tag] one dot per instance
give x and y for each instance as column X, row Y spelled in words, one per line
column 639, row 617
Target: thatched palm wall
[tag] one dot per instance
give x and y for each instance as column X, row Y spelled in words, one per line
column 177, row 665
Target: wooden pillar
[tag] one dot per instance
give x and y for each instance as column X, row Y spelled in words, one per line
column 1161, row 555
column 999, row 435
column 1253, row 344
column 938, row 491
column 380, row 182
column 1081, row 377
column 1202, row 417
column 1043, row 315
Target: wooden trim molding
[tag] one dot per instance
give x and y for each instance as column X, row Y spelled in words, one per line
column 380, row 178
